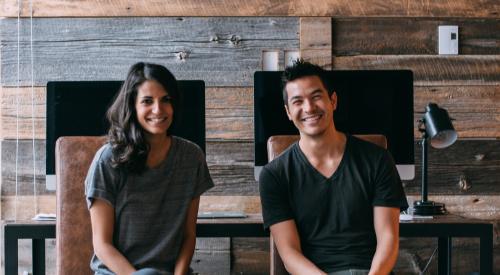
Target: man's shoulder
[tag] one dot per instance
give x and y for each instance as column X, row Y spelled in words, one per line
column 362, row 146
column 282, row 160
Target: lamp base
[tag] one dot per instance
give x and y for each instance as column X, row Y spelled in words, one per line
column 428, row 208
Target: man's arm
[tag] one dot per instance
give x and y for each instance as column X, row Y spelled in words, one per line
column 102, row 216
column 287, row 241
column 386, row 223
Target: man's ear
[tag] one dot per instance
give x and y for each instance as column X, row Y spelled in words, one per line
column 333, row 100
column 288, row 112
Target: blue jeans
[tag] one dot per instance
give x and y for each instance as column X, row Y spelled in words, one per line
column 351, row 272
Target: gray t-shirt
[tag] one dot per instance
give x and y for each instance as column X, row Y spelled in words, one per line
column 150, row 208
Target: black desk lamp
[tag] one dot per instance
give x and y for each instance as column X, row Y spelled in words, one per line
column 435, row 127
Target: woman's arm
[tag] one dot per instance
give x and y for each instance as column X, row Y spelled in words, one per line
column 189, row 242
column 102, row 216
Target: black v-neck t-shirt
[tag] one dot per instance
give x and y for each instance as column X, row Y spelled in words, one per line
column 334, row 216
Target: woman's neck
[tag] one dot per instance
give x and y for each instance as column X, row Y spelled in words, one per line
column 158, row 149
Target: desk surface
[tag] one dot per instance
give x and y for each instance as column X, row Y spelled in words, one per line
column 443, row 227
column 251, row 226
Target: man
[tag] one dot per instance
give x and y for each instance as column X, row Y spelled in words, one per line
column 331, row 201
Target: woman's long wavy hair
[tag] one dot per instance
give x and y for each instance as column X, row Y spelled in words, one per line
column 126, row 136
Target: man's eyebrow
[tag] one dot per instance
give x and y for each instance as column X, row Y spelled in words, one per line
column 317, row 91
column 295, row 97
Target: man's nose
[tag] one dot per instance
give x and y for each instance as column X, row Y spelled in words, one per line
column 308, row 106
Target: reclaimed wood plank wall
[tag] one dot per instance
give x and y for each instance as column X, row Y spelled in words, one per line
column 221, row 42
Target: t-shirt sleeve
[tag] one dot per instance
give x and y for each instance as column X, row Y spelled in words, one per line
column 388, row 186
column 102, row 180
column 274, row 199
column 204, row 180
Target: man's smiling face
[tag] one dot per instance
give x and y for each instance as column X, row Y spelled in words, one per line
column 309, row 106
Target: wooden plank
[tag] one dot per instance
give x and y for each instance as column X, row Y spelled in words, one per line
column 220, row 51
column 229, row 113
column 250, row 256
column 460, row 99
column 27, row 206
column 230, row 164
column 231, row 167
column 316, row 40
column 339, row 8
column 414, row 254
column 212, row 256
column 431, row 70
column 245, row 204
column 24, row 168
column 11, row 119
column 476, row 160
column 484, row 207
column 475, row 108
column 411, row 36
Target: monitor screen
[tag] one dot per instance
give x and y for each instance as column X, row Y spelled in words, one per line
column 369, row 102
column 78, row 108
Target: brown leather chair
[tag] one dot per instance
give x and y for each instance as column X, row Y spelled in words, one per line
column 73, row 230
column 275, row 146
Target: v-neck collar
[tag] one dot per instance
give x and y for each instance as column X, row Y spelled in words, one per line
column 308, row 164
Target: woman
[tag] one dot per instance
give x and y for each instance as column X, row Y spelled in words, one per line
column 143, row 187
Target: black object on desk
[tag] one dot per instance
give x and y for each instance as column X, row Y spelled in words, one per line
column 443, row 227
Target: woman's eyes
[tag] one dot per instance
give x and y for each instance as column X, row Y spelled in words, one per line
column 147, row 101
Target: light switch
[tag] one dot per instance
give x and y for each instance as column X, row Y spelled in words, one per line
column 448, row 39
column 270, row 60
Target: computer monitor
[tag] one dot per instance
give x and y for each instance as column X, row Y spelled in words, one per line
column 78, row 108
column 369, row 102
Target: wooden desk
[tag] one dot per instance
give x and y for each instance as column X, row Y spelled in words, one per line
column 444, row 228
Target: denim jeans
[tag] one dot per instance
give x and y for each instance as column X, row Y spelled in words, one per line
column 351, row 272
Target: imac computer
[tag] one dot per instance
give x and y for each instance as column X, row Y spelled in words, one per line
column 369, row 102
column 78, row 108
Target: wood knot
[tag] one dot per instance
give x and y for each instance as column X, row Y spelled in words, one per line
column 463, row 183
column 235, row 40
column 476, row 200
column 182, row 56
column 214, row 38
column 479, row 157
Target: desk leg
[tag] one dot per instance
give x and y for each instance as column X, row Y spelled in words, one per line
column 38, row 256
column 444, row 255
column 10, row 252
column 486, row 253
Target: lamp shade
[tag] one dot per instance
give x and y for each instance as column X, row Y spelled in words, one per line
column 438, row 126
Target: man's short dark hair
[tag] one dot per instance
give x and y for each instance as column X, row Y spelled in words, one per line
column 301, row 68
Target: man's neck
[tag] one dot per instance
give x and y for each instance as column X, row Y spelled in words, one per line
column 324, row 152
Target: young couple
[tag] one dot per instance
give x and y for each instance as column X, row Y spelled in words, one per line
column 331, row 201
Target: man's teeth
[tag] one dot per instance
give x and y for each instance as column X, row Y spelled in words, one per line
column 311, row 118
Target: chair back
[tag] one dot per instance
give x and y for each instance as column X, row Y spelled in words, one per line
column 277, row 145
column 73, row 229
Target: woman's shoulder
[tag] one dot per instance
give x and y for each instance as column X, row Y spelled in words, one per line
column 103, row 155
column 187, row 146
